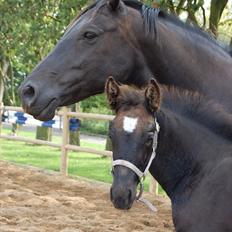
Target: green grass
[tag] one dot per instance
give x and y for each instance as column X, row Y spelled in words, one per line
column 80, row 164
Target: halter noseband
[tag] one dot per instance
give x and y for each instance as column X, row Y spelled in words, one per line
column 137, row 171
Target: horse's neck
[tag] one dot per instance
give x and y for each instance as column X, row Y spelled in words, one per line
column 186, row 59
column 176, row 45
column 185, row 153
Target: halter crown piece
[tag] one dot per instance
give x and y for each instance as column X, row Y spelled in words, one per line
column 139, row 173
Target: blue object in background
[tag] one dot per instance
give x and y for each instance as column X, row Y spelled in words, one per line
column 21, row 119
column 48, row 123
column 74, row 124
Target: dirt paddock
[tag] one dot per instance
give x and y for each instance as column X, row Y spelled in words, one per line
column 34, row 200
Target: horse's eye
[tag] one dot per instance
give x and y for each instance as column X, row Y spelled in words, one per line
column 90, row 35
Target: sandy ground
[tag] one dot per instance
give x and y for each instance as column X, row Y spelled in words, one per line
column 37, row 201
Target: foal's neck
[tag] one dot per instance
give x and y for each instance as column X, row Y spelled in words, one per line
column 186, row 152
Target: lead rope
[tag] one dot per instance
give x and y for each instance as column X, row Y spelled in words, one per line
column 139, row 198
column 141, row 175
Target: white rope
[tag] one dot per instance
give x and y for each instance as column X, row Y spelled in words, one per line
column 120, row 162
column 148, row 204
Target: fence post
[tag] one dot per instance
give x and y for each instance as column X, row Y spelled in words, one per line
column 153, row 186
column 64, row 151
column 74, row 134
column 1, row 112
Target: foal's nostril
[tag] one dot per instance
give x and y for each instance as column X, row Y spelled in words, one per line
column 130, row 195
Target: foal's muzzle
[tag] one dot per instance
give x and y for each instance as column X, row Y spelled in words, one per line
column 122, row 198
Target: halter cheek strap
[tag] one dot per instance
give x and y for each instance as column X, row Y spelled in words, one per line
column 139, row 173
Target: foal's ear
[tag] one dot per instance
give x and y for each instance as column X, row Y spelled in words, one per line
column 112, row 92
column 114, row 4
column 153, row 95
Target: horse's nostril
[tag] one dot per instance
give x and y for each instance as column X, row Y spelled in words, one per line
column 28, row 91
column 28, row 94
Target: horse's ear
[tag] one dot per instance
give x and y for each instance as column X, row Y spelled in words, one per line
column 113, row 4
column 153, row 95
column 112, row 92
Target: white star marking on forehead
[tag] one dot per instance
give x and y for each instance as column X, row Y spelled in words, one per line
column 129, row 124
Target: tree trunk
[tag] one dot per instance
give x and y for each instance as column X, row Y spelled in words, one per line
column 180, row 6
column 216, row 9
column 4, row 66
column 1, row 89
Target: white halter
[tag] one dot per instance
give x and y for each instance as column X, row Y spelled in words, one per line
column 139, row 173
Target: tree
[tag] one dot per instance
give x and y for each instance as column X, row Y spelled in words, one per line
column 29, row 30
column 193, row 8
column 216, row 9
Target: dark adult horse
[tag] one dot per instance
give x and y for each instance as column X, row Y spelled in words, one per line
column 193, row 161
column 133, row 43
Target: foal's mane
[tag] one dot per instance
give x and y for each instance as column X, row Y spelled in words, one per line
column 184, row 103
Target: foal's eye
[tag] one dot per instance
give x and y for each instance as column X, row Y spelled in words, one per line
column 110, row 134
column 149, row 139
column 90, row 35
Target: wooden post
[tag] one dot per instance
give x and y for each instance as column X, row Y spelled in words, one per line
column 15, row 129
column 74, row 136
column 108, row 144
column 1, row 112
column 64, row 151
column 153, row 186
column 43, row 133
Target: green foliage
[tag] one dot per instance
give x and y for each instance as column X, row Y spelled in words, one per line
column 94, row 127
column 225, row 25
column 29, row 30
column 96, row 104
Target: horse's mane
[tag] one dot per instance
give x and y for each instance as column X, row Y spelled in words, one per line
column 191, row 105
column 150, row 16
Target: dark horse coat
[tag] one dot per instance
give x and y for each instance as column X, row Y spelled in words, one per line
column 193, row 158
column 133, row 43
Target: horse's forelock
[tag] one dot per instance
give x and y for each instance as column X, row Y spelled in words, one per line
column 83, row 12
